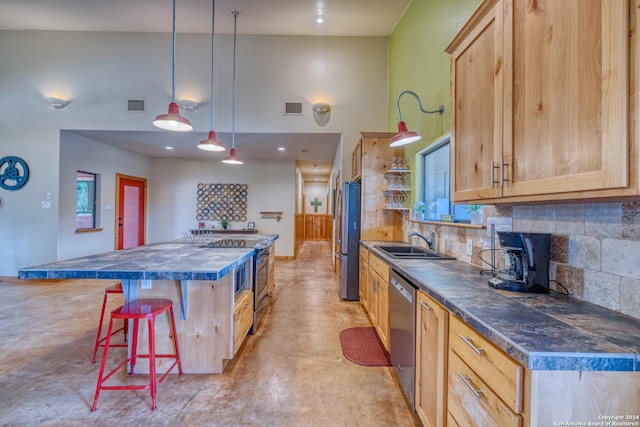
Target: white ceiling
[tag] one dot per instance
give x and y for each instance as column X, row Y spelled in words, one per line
column 286, row 17
column 273, row 17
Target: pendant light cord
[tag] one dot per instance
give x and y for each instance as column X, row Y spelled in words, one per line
column 233, row 96
column 213, row 19
column 173, row 59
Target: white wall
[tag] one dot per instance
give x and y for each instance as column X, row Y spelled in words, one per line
column 99, row 72
column 313, row 189
column 82, row 154
column 173, row 192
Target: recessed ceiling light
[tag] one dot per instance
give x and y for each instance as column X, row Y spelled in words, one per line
column 320, row 19
column 282, row 149
column 168, row 148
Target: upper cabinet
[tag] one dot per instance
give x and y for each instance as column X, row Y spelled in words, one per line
column 377, row 221
column 541, row 102
column 356, row 162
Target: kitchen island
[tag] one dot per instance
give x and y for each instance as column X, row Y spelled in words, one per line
column 211, row 288
column 557, row 359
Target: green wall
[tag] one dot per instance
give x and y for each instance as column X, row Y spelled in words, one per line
column 418, row 62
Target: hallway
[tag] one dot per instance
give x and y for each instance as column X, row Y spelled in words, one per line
column 291, row 373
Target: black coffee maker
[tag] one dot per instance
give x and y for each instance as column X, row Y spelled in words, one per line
column 527, row 260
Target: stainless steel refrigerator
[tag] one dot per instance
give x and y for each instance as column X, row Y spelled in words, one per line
column 349, row 241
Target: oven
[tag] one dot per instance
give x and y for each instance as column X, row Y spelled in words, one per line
column 260, row 286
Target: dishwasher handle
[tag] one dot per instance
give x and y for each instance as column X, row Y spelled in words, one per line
column 403, row 291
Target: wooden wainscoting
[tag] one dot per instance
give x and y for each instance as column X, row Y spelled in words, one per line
column 318, row 227
column 298, row 234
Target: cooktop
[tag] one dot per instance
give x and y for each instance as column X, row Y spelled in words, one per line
column 237, row 243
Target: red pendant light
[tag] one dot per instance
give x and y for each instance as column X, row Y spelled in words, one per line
column 405, row 136
column 173, row 121
column 233, row 158
column 212, row 143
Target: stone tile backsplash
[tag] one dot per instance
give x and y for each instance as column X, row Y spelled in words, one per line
column 595, row 247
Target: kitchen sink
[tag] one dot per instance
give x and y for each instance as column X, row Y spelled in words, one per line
column 413, row 252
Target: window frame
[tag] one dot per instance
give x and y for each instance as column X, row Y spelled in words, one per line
column 92, row 201
column 461, row 213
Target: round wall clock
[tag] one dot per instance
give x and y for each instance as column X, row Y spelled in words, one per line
column 14, row 173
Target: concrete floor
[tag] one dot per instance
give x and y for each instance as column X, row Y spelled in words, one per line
column 291, row 373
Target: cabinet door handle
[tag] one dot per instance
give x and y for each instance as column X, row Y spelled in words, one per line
column 468, row 342
column 502, row 178
column 493, row 173
column 493, row 178
column 477, row 392
column 425, row 306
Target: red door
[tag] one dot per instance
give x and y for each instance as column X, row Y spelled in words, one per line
column 131, row 207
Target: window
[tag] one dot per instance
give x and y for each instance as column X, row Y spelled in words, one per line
column 86, row 200
column 436, row 184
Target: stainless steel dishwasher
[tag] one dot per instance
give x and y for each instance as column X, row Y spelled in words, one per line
column 402, row 295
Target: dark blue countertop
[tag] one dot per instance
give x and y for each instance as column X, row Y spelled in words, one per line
column 175, row 260
column 542, row 332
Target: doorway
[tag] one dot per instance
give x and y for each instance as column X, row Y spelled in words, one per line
column 131, row 206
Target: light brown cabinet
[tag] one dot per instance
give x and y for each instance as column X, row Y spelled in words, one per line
column 540, row 96
column 432, row 336
column 363, row 279
column 467, row 380
column 374, row 292
column 485, row 386
column 271, row 281
column 376, row 221
column 356, row 162
column 242, row 317
column 379, row 297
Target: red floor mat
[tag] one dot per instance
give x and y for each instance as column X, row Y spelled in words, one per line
column 362, row 346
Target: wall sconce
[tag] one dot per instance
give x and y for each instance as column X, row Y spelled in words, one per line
column 187, row 105
column 404, row 135
column 57, row 103
column 321, row 113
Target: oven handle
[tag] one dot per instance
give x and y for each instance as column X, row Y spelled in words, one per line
column 263, row 302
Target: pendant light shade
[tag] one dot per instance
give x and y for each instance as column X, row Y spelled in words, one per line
column 212, row 143
column 233, row 158
column 405, row 136
column 173, row 121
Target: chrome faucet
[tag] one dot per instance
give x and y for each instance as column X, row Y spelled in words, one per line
column 430, row 241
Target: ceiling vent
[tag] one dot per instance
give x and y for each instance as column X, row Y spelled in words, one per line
column 135, row 105
column 293, row 108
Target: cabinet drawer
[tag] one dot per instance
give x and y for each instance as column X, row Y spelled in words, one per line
column 379, row 267
column 472, row 402
column 364, row 253
column 501, row 373
column 242, row 318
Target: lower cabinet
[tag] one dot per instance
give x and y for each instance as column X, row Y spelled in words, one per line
column 382, row 308
column 271, row 281
column 374, row 292
column 242, row 318
column 363, row 281
column 485, row 386
column 432, row 336
column 463, row 380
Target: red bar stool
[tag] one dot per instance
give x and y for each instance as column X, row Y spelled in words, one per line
column 136, row 310
column 115, row 289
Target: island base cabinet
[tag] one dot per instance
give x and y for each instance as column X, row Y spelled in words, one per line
column 205, row 335
column 242, row 318
column 581, row 397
